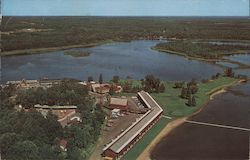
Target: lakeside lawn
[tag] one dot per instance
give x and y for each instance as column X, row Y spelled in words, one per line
column 175, row 107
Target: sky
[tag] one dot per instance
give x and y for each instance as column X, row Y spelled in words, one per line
column 125, row 7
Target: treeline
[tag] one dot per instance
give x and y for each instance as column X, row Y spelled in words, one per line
column 29, row 135
column 204, row 50
column 83, row 136
column 66, row 93
column 66, row 31
column 188, row 91
column 150, row 84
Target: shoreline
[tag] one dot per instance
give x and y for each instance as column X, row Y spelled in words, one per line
column 50, row 49
column 145, row 155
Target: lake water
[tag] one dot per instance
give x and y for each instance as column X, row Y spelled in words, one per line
column 192, row 141
column 135, row 59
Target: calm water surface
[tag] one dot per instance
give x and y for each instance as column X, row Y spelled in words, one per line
column 135, row 59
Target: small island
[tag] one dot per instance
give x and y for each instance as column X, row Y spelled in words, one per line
column 77, row 53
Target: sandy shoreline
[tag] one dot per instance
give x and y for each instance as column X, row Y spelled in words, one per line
column 145, row 155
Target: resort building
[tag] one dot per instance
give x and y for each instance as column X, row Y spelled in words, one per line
column 123, row 142
column 24, row 84
column 54, row 107
column 46, row 83
column 100, row 88
column 66, row 115
column 105, row 88
column 119, row 103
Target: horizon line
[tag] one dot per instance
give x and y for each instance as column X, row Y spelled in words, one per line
column 118, row 16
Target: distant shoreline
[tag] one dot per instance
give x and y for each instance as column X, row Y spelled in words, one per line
column 59, row 48
column 40, row 50
column 49, row 49
column 209, row 60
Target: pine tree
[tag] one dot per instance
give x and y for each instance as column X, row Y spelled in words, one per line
column 189, row 100
column 161, row 88
column 193, row 101
column 184, row 93
column 90, row 78
column 100, row 79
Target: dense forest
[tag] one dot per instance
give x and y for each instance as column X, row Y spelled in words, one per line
column 42, row 32
column 202, row 49
column 30, row 135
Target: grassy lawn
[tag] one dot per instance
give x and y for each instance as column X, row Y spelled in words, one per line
column 139, row 147
column 175, row 107
column 135, row 83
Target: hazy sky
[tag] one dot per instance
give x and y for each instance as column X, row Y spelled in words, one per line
column 127, row 7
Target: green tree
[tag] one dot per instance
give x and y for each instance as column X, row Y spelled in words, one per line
column 193, row 101
column 100, row 79
column 228, row 72
column 116, row 79
column 178, row 84
column 7, row 140
column 184, row 92
column 25, row 150
column 162, row 88
column 90, row 78
column 189, row 103
column 152, row 84
column 112, row 90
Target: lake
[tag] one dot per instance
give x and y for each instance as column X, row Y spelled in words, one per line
column 135, row 59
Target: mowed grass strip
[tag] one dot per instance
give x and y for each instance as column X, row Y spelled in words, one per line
column 175, row 107
column 141, row 145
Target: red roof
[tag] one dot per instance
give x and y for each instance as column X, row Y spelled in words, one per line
column 63, row 143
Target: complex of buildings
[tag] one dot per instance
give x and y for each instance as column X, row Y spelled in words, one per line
column 122, row 143
column 128, row 137
column 26, row 84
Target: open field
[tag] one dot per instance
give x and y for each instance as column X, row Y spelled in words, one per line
column 23, row 33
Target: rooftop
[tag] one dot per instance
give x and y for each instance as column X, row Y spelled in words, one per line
column 130, row 133
column 54, row 107
column 118, row 101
